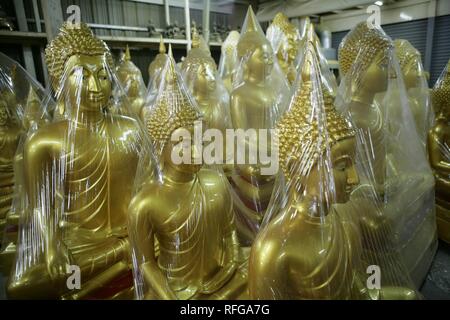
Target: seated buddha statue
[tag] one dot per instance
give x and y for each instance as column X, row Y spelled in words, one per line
column 285, row 39
column 257, row 100
column 416, row 84
column 439, row 152
column 228, row 59
column 308, row 249
column 77, row 181
column 187, row 211
column 33, row 118
column 202, row 80
column 10, row 134
column 131, row 79
column 374, row 98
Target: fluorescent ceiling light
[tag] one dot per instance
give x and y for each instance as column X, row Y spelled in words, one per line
column 379, row 3
column 404, row 16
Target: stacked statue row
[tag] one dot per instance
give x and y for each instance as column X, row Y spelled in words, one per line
column 192, row 231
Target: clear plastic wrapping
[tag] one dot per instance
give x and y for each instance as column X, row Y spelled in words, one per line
column 182, row 221
column 132, row 82
column 20, row 112
column 439, row 152
column 228, row 59
column 204, row 83
column 259, row 98
column 157, row 64
column 373, row 96
column 285, row 39
column 78, row 179
column 416, row 85
column 316, row 240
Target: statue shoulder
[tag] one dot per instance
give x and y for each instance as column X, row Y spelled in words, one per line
column 213, row 179
column 440, row 127
column 46, row 135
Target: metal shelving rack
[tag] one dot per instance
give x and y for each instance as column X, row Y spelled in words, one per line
column 53, row 16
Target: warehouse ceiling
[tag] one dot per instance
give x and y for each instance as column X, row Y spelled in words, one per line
column 297, row 8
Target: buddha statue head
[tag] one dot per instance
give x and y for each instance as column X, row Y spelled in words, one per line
column 130, row 76
column 410, row 63
column 441, row 93
column 364, row 59
column 285, row 38
column 78, row 65
column 33, row 115
column 199, row 68
column 254, row 50
column 159, row 62
column 315, row 139
column 173, row 115
column 228, row 59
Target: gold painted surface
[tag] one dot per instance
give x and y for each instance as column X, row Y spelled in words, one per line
column 183, row 228
column 77, row 178
column 439, row 152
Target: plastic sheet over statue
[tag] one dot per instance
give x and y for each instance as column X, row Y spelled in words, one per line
column 212, row 98
column 416, row 85
column 439, row 152
column 259, row 97
column 310, row 37
column 182, row 225
column 285, row 39
column 20, row 112
column 373, row 95
column 78, row 182
column 228, row 59
column 131, row 80
column 312, row 241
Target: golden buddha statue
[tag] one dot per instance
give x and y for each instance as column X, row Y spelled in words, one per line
column 202, row 80
column 200, row 73
column 257, row 100
column 131, row 79
column 439, row 152
column 77, row 179
column 10, row 134
column 228, row 59
column 187, row 211
column 373, row 64
column 285, row 39
column 158, row 63
column 372, row 95
column 33, row 118
column 308, row 249
column 416, row 84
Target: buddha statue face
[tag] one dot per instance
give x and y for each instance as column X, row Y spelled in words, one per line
column 261, row 61
column 345, row 177
column 204, row 80
column 375, row 76
column 88, row 83
column 179, row 147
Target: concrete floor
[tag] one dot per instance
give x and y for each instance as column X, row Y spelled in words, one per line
column 436, row 285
